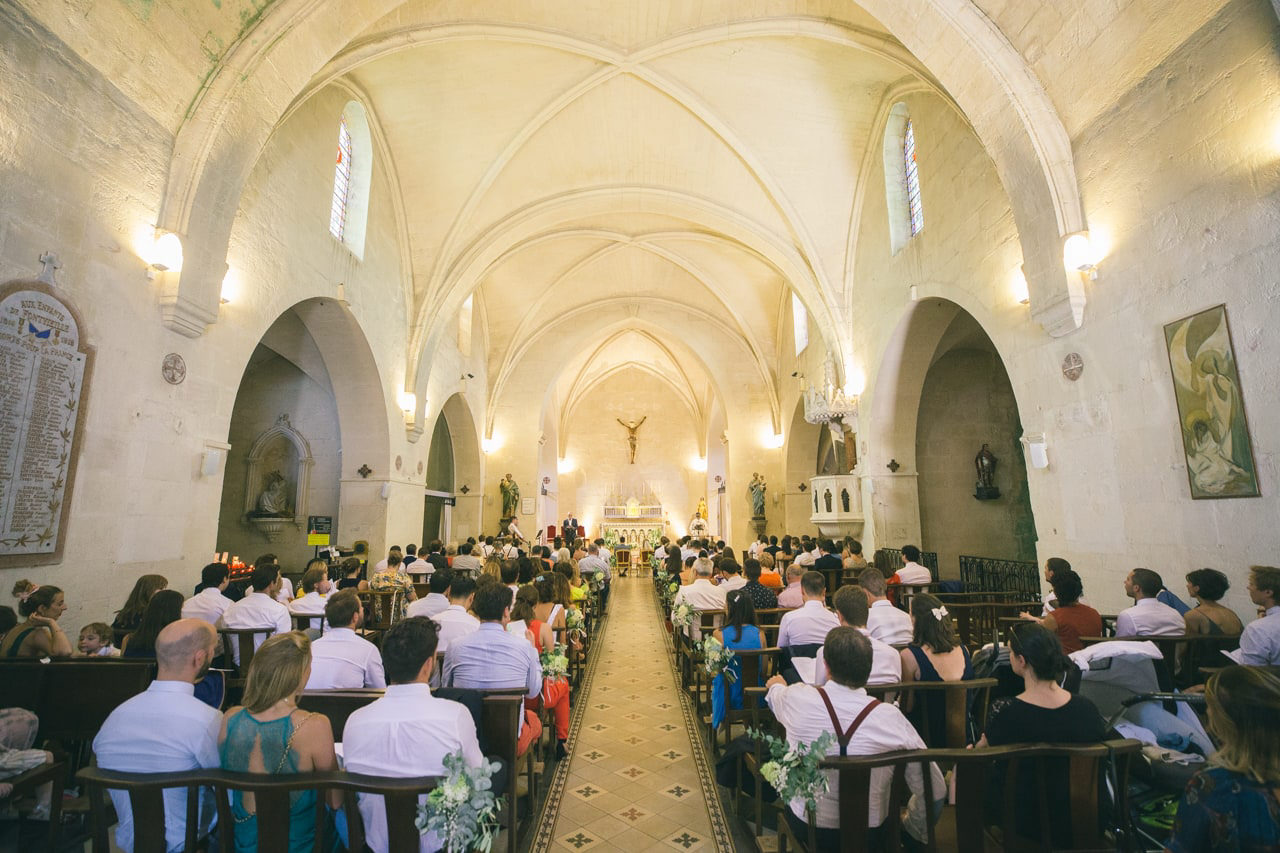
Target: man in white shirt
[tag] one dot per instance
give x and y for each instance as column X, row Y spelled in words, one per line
column 805, row 628
column 259, row 609
column 885, row 622
column 209, row 603
column 166, row 729
column 407, row 732
column 911, row 572
column 341, row 658
column 803, row 713
column 731, row 576
column 437, row 599
column 700, row 595
column 792, row 596
column 285, row 592
column 315, row 593
column 851, row 606
column 454, row 621
column 466, row 561
column 1260, row 641
column 605, row 553
column 1148, row 617
column 384, row 563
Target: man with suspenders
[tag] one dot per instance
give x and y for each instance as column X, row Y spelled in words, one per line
column 862, row 726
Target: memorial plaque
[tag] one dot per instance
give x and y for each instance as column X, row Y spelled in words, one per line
column 43, row 365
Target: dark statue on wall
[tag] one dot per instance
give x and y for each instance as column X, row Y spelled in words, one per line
column 985, row 463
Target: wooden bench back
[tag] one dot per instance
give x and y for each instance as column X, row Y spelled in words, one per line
column 975, row 771
column 271, row 801
column 73, row 698
column 954, row 696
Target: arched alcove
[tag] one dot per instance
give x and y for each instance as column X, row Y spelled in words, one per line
column 803, row 440
column 941, row 393
column 453, row 503
column 309, row 408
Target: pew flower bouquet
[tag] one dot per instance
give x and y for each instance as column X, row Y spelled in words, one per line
column 793, row 770
column 718, row 659
column 555, row 662
column 682, row 616
column 462, row 811
column 575, row 623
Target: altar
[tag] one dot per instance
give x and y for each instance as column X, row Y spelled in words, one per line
column 640, row 525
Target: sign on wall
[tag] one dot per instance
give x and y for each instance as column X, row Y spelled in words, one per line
column 43, row 368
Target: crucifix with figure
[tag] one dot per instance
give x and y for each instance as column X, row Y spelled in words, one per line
column 631, row 427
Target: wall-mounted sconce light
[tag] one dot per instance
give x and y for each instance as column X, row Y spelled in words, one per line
column 1037, row 449
column 1018, row 286
column 165, row 254
column 1078, row 254
column 490, row 444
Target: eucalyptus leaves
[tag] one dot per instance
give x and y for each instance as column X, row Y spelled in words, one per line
column 793, row 770
column 682, row 616
column 575, row 623
column 717, row 659
column 462, row 811
column 555, row 662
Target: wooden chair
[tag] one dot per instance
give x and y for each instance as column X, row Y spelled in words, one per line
column 624, row 559
column 1086, row 766
column 271, row 801
column 241, row 643
column 28, row 783
column 757, row 666
column 307, row 621
column 381, row 608
column 958, row 709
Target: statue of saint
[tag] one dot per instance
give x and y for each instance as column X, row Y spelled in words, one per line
column 985, row 463
column 510, row 496
column 756, row 489
column 273, row 500
column 703, row 512
column 631, row 427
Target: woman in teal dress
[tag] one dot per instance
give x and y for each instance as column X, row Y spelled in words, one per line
column 268, row 734
column 738, row 632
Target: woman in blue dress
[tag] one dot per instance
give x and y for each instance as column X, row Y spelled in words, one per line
column 738, row 632
column 268, row 734
column 1233, row 805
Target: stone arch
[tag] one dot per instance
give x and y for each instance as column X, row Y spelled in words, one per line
column 801, row 464
column 468, row 469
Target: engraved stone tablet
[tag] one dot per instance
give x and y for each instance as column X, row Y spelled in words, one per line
column 42, row 372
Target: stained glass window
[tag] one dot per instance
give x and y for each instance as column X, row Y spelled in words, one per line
column 914, row 206
column 341, row 182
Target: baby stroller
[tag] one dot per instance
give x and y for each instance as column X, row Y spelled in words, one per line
column 1131, row 684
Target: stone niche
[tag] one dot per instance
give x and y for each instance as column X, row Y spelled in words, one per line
column 277, row 479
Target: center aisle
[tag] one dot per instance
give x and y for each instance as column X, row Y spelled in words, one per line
column 637, row 778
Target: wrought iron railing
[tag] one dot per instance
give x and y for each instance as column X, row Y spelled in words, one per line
column 891, row 559
column 989, row 574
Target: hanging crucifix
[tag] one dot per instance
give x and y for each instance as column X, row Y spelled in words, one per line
column 631, row 427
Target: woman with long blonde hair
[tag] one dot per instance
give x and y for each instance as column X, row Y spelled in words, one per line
column 268, row 734
column 1234, row 805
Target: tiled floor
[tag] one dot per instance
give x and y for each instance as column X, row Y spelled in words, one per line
column 633, row 782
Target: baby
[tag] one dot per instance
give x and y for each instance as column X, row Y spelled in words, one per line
column 95, row 641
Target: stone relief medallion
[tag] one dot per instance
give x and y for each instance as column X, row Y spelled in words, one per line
column 399, row 463
column 1072, row 366
column 173, row 369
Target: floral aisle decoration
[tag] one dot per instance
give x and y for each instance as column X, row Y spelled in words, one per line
column 717, row 659
column 682, row 616
column 793, row 770
column 575, row 623
column 462, row 810
column 555, row 662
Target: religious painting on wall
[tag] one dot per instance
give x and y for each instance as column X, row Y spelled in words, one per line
column 1215, row 435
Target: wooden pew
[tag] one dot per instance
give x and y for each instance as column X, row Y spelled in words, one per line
column 271, row 801
column 29, row 783
column 73, row 697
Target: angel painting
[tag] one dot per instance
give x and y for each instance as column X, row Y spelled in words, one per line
column 1215, row 435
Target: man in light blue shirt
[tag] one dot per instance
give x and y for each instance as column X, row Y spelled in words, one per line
column 1260, row 641
column 166, row 729
column 595, row 563
column 489, row 658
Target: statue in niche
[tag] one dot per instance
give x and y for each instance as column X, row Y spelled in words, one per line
column 826, row 499
column 985, row 464
column 631, row 427
column 510, row 496
column 756, row 489
column 844, row 499
column 274, row 499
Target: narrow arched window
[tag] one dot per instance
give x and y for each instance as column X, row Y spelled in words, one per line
column 915, row 209
column 341, row 182
column 464, row 328
column 352, row 179
column 799, row 323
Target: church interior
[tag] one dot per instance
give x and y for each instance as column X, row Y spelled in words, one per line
column 989, row 279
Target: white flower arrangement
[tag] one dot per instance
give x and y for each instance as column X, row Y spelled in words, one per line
column 462, row 811
column 575, row 623
column 682, row 616
column 555, row 662
column 793, row 769
column 717, row 659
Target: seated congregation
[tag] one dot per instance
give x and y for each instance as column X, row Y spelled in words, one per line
column 924, row 716
column 378, row 687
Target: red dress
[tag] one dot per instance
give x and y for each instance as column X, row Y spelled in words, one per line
column 555, row 692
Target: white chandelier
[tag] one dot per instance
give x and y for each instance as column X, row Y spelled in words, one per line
column 828, row 403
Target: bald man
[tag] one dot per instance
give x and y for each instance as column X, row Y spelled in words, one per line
column 166, row 729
